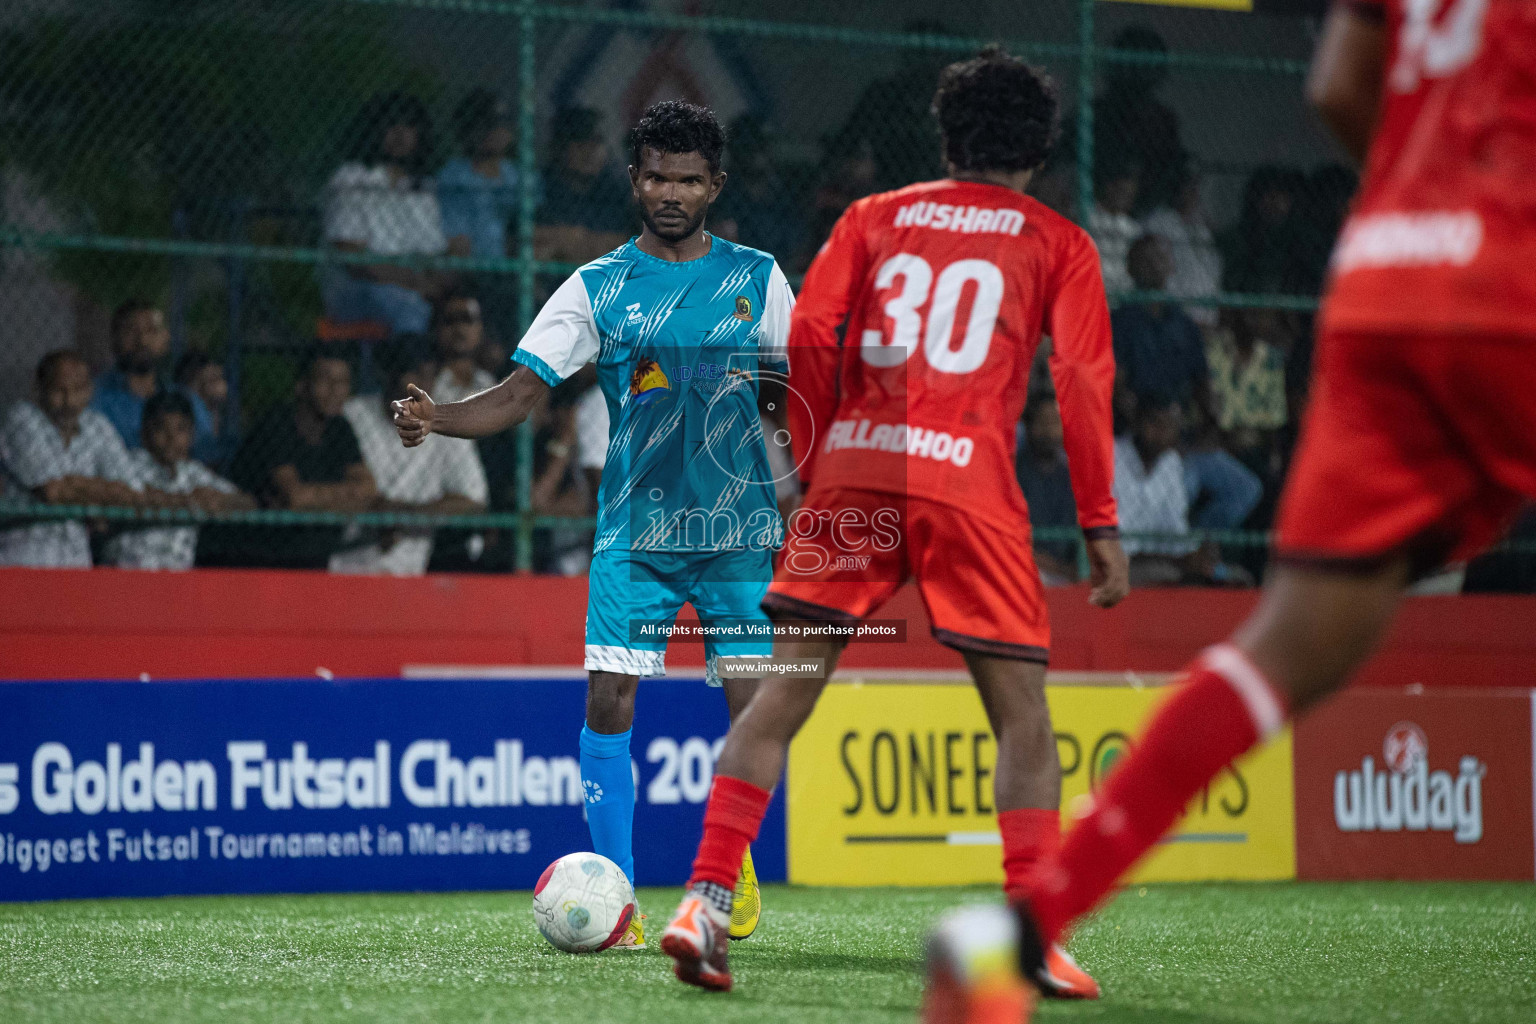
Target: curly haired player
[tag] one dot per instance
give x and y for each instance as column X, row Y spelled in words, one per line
column 906, row 436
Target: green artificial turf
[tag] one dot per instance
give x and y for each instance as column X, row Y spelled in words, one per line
column 1185, row 954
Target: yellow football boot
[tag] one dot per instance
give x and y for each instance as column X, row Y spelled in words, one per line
column 747, row 901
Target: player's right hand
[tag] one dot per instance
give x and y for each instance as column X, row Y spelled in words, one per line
column 1109, row 571
column 413, row 416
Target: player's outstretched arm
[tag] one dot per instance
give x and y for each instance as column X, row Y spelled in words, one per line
column 489, row 412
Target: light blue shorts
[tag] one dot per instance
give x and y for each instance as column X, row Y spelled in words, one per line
column 633, row 598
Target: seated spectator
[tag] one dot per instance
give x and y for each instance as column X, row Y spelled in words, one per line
column 1042, row 471
column 202, row 381
column 140, row 344
column 441, row 476
column 62, row 452
column 1150, row 493
column 458, row 332
column 560, row 488
column 1248, row 388
column 1196, row 262
column 1132, row 124
column 302, row 457
column 893, row 116
column 587, row 208
column 164, row 464
column 1110, row 222
column 481, row 196
column 1158, row 348
column 381, row 201
column 592, row 435
column 848, row 173
column 1262, row 253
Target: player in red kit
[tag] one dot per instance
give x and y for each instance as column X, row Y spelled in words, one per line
column 904, row 429
column 1417, row 448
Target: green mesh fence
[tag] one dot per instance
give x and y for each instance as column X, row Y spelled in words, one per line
column 280, row 179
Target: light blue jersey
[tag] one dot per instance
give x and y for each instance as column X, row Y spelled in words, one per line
column 686, row 510
column 678, row 347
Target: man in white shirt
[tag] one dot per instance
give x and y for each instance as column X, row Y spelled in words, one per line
column 1196, row 259
column 1111, row 225
column 1151, row 496
column 61, row 452
column 164, row 464
column 442, row 476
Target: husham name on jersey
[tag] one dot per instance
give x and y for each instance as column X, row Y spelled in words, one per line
column 969, row 220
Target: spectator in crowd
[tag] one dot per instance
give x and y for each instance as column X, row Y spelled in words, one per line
column 763, row 211
column 62, row 452
column 481, row 197
column 202, row 381
column 1261, row 252
column 848, row 173
column 164, row 464
column 1196, row 266
column 1248, row 388
column 1325, row 205
column 1132, row 127
column 1110, row 222
column 140, row 344
column 302, row 457
column 592, row 435
column 1047, row 486
column 441, row 476
column 383, row 201
column 587, row 208
column 560, row 488
column 1151, row 495
column 1158, row 348
column 893, row 117
column 458, row 333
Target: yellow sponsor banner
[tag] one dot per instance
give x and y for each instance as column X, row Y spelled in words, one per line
column 891, row 784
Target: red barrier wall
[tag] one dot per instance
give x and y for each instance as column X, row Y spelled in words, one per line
column 105, row 623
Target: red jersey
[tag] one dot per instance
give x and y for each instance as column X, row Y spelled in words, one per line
column 1443, row 233
column 945, row 288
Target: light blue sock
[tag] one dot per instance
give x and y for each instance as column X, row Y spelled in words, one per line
column 608, row 783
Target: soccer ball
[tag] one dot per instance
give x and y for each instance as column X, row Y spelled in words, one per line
column 583, row 903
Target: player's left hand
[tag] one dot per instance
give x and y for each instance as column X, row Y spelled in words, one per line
column 1109, row 571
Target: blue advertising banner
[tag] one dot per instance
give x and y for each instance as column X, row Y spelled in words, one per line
column 240, row 786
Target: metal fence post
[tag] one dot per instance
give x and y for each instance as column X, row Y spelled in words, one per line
column 1085, row 75
column 527, row 164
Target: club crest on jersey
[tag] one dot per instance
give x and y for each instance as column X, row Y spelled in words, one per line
column 743, row 308
column 648, row 382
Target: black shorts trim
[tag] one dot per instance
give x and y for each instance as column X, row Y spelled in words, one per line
column 1427, row 554
column 780, row 606
column 993, row 648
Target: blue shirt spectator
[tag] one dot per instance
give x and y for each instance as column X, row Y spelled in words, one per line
column 479, row 191
column 1042, row 470
column 1159, row 350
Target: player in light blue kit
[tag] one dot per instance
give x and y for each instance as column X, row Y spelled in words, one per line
column 681, row 325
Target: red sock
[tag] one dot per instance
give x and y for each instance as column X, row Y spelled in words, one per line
column 731, row 820
column 1030, row 834
column 1224, row 708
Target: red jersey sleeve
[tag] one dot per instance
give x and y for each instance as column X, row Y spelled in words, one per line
column 1083, row 367
column 830, row 288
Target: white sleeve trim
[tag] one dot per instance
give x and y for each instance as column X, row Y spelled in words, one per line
column 778, row 304
column 564, row 334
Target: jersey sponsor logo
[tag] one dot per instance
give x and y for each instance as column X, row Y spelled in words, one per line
column 635, row 316
column 918, row 442
column 1429, row 239
column 648, row 382
column 743, row 308
column 969, row 220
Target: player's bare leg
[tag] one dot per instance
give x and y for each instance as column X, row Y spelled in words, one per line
column 745, row 774
column 1313, row 627
column 1026, row 785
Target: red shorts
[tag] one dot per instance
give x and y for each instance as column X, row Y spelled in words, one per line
column 1413, row 443
column 849, row 550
